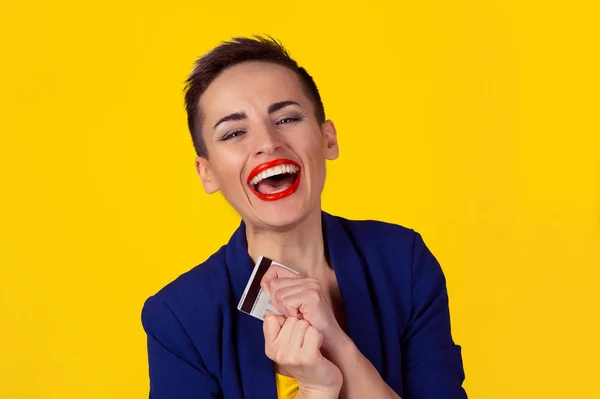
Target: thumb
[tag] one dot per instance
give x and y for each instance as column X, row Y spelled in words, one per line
column 271, row 327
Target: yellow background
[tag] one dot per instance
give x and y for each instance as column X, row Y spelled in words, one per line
column 473, row 122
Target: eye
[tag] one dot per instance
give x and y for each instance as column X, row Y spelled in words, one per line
column 289, row 119
column 230, row 135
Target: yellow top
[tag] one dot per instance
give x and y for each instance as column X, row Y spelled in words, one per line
column 287, row 387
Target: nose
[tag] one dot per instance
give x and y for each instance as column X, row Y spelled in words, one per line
column 266, row 141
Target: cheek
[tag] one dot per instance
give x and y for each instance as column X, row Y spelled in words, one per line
column 310, row 142
column 228, row 171
column 314, row 155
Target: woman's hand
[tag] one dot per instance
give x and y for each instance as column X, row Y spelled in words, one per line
column 302, row 298
column 295, row 346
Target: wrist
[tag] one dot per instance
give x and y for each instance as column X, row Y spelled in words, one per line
column 304, row 393
column 341, row 350
column 322, row 390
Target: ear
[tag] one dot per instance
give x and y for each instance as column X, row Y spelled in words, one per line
column 205, row 172
column 332, row 151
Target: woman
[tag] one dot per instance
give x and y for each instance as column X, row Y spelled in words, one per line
column 367, row 315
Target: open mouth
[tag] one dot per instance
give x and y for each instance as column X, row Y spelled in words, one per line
column 275, row 180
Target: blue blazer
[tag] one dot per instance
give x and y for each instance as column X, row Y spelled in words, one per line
column 393, row 292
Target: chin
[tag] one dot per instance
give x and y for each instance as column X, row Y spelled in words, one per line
column 281, row 216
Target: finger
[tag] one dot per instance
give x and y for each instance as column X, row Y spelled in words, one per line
column 312, row 339
column 280, row 319
column 285, row 290
column 281, row 303
column 283, row 282
column 271, row 328
column 305, row 302
column 311, row 347
column 285, row 334
column 284, row 272
column 275, row 272
column 283, row 287
column 278, row 284
column 297, row 338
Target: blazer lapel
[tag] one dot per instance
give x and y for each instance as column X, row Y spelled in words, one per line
column 257, row 374
column 355, row 288
column 256, row 370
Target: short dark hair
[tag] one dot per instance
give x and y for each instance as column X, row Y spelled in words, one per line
column 235, row 51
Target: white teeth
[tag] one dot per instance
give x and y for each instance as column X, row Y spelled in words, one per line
column 276, row 170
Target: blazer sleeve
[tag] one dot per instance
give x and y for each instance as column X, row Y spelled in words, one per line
column 175, row 366
column 432, row 363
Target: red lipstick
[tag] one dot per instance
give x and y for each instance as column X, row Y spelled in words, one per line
column 267, row 165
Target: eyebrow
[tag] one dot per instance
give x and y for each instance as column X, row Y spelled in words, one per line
column 281, row 104
column 238, row 116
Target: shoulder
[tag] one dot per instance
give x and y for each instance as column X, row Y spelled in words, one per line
column 182, row 319
column 394, row 238
column 389, row 250
column 399, row 253
column 197, row 294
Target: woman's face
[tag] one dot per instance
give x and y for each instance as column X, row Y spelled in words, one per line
column 266, row 150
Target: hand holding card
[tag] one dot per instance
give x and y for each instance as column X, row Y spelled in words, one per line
column 277, row 289
column 301, row 297
column 255, row 301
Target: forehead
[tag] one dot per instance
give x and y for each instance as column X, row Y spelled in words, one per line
column 251, row 85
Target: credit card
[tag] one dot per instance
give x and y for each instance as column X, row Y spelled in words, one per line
column 254, row 301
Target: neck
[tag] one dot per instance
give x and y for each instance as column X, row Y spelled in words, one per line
column 300, row 247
